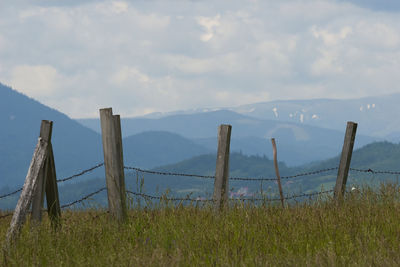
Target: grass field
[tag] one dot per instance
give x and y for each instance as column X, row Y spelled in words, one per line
column 363, row 230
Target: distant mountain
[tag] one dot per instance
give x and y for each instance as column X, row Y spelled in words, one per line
column 375, row 115
column 75, row 147
column 297, row 143
column 150, row 149
column 379, row 156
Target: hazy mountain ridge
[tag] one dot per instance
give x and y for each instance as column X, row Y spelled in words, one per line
column 375, row 115
column 368, row 157
column 75, row 147
column 298, row 144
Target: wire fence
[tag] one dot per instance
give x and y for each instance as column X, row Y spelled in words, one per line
column 60, row 180
column 240, row 198
column 200, row 199
column 230, row 178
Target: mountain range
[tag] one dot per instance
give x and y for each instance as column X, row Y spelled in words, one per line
column 375, row 115
column 380, row 156
column 297, row 143
column 181, row 142
column 75, row 147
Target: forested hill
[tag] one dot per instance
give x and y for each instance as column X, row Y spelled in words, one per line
column 75, row 146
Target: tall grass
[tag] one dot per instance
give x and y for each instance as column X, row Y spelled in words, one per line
column 362, row 230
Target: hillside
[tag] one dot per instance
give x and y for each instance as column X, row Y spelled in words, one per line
column 298, row 144
column 377, row 156
column 156, row 148
column 75, row 147
column 374, row 114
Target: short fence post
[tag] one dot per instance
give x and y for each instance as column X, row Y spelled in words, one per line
column 222, row 167
column 278, row 177
column 114, row 163
column 29, row 188
column 345, row 160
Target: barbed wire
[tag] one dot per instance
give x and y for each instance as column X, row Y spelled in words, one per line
column 241, row 199
column 283, row 177
column 81, row 173
column 169, row 199
column 169, row 173
column 60, row 180
column 83, row 199
column 230, row 178
column 12, row 193
column 310, row 173
column 377, row 172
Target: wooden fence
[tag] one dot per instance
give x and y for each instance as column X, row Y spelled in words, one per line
column 41, row 176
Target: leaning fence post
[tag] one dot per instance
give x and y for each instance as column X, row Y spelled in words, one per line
column 38, row 196
column 114, row 163
column 278, row 177
column 47, row 182
column 30, row 185
column 222, row 167
column 345, row 159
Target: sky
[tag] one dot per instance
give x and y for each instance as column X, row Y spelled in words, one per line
column 144, row 56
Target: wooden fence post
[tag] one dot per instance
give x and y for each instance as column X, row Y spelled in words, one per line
column 38, row 196
column 30, row 185
column 345, row 159
column 222, row 167
column 52, row 197
column 278, row 177
column 114, row 163
column 47, row 182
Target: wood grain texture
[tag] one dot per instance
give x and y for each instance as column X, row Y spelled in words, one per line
column 52, row 196
column 114, row 163
column 345, row 159
column 46, row 129
column 278, row 177
column 30, row 185
column 221, row 181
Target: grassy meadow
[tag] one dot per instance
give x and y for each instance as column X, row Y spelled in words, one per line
column 362, row 230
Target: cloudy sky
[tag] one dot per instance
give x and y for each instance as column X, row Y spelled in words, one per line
column 143, row 56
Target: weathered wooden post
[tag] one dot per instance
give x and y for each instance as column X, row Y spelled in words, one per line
column 222, row 167
column 345, row 160
column 47, row 182
column 38, row 196
column 52, row 196
column 278, row 177
column 114, row 163
column 29, row 188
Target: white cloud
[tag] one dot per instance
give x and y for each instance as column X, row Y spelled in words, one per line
column 142, row 56
column 127, row 74
column 330, row 38
column 210, row 25
column 36, row 81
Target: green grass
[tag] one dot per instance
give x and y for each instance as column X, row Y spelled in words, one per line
column 363, row 230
